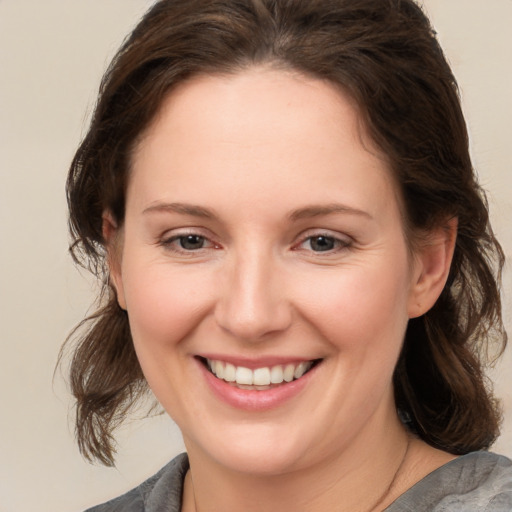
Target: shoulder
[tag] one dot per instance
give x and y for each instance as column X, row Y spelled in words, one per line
column 165, row 487
column 476, row 482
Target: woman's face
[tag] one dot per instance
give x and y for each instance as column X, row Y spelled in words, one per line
column 263, row 238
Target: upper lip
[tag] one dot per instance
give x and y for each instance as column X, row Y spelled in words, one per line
column 256, row 362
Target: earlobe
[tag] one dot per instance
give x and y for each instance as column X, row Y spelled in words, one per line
column 432, row 265
column 112, row 238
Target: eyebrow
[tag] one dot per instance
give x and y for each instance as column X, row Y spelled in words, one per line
column 183, row 208
column 298, row 214
column 321, row 210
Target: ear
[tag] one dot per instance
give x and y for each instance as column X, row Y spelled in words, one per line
column 432, row 262
column 112, row 236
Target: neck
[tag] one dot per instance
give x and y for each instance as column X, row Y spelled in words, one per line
column 341, row 481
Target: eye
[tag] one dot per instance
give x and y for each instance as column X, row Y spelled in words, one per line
column 191, row 242
column 187, row 243
column 322, row 243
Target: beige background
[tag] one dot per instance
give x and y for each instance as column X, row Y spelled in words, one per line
column 52, row 54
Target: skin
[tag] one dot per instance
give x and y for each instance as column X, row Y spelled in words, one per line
column 268, row 153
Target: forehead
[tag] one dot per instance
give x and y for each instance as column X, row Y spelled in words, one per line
column 261, row 131
column 249, row 98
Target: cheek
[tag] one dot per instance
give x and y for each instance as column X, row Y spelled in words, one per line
column 164, row 306
column 360, row 307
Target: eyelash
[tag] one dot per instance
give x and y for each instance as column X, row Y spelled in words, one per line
column 339, row 244
column 169, row 243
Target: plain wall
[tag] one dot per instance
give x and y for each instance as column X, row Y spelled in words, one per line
column 52, row 55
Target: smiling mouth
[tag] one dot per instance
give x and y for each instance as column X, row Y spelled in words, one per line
column 259, row 379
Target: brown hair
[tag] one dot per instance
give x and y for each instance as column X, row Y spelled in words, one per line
column 385, row 55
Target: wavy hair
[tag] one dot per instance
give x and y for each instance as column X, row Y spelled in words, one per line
column 384, row 54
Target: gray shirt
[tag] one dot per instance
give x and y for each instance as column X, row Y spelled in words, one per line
column 476, row 482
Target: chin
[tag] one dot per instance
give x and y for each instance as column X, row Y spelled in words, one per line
column 260, row 452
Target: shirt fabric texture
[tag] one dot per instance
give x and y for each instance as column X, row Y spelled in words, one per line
column 476, row 482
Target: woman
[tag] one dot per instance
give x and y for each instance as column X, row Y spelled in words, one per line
column 297, row 258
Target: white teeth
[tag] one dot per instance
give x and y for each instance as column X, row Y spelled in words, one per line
column 243, row 376
column 301, row 370
column 229, row 373
column 219, row 369
column 260, row 378
column 289, row 370
column 276, row 375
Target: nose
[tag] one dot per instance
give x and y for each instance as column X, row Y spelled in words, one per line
column 253, row 305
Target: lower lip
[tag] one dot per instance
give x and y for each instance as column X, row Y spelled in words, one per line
column 254, row 400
